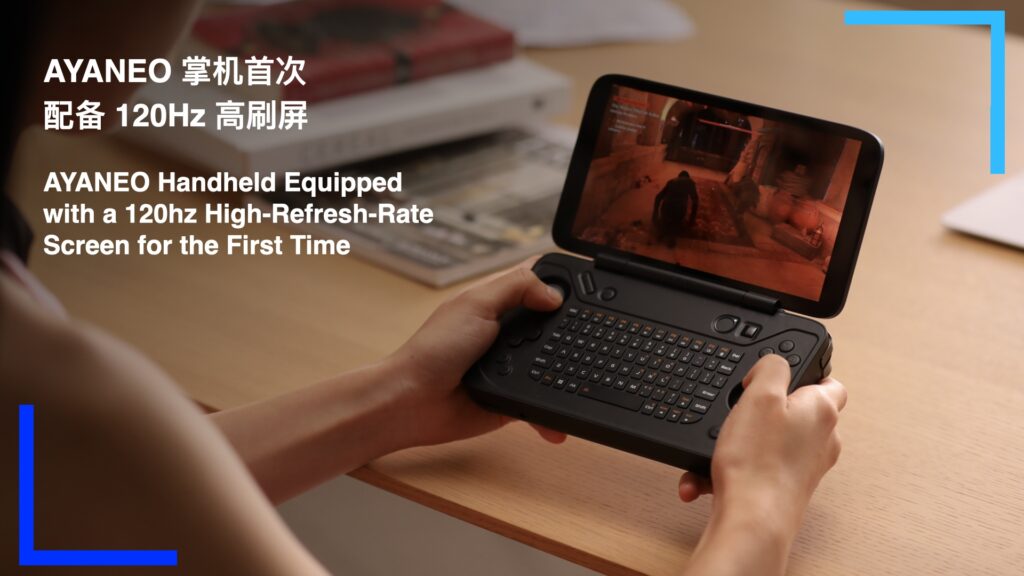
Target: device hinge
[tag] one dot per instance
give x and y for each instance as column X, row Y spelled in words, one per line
column 746, row 298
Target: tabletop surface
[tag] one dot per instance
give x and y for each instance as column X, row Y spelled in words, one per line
column 930, row 343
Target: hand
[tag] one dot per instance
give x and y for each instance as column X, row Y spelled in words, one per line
column 773, row 449
column 431, row 364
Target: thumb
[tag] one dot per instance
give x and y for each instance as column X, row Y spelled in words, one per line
column 518, row 287
column 769, row 377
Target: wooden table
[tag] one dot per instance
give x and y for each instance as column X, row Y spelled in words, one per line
column 930, row 344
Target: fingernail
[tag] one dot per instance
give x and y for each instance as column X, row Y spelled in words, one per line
column 554, row 295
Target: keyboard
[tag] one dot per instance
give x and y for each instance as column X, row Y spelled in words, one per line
column 640, row 366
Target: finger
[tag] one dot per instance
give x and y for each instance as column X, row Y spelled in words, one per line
column 692, row 486
column 518, row 287
column 835, row 390
column 770, row 376
column 830, row 389
column 553, row 436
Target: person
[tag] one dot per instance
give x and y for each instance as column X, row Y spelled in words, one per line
column 126, row 461
column 675, row 208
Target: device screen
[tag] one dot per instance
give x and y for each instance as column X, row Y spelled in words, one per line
column 730, row 194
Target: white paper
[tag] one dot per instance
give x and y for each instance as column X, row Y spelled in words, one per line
column 556, row 23
column 996, row 214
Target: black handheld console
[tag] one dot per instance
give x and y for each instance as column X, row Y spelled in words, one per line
column 708, row 222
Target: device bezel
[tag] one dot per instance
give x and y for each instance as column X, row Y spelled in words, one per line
column 851, row 226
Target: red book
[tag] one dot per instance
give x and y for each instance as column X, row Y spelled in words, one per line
column 351, row 46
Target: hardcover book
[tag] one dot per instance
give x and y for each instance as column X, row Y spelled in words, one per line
column 352, row 46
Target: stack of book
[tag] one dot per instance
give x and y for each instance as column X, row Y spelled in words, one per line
column 385, row 79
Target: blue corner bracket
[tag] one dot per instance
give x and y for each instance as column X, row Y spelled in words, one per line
column 996, row 21
column 27, row 553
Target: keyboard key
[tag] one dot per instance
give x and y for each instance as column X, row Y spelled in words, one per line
column 735, row 356
column 611, row 396
column 547, row 379
column 648, row 407
column 707, row 393
column 684, row 401
column 690, row 418
column 661, row 411
column 701, row 406
column 674, row 414
column 726, row 369
column 536, row 373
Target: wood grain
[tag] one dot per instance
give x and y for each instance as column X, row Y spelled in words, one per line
column 930, row 344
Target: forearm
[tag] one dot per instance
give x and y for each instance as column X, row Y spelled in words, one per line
column 297, row 440
column 747, row 539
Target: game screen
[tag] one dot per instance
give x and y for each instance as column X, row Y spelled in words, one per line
column 714, row 190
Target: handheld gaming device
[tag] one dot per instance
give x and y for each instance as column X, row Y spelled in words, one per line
column 709, row 225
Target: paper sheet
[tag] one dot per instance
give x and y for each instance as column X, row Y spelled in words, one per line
column 555, row 23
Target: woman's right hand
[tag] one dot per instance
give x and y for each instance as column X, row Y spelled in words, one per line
column 773, row 450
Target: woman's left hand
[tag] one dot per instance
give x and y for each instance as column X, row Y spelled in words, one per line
column 432, row 362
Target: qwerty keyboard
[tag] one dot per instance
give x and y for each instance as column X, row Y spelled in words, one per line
column 636, row 365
